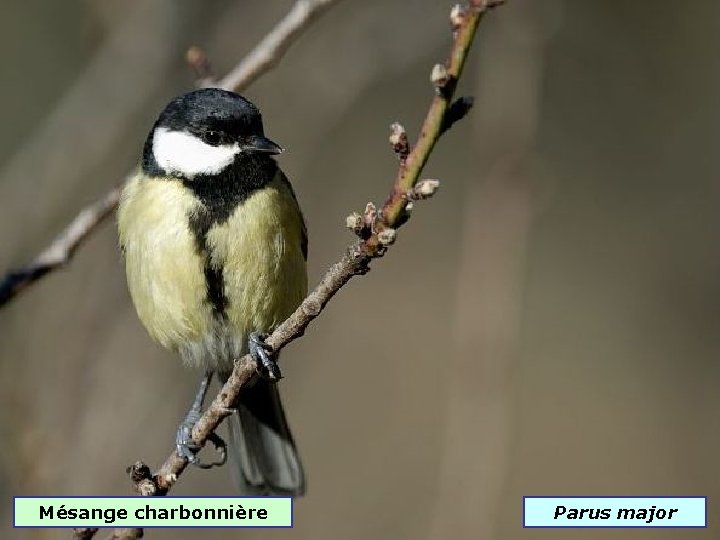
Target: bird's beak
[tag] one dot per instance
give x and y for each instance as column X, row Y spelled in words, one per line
column 263, row 145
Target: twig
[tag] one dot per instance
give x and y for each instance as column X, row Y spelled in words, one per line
column 376, row 231
column 126, row 534
column 84, row 533
column 272, row 48
column 61, row 250
column 200, row 65
column 261, row 59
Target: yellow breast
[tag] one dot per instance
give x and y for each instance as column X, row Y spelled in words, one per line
column 258, row 249
column 164, row 271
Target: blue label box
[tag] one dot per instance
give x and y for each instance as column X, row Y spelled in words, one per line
column 614, row 512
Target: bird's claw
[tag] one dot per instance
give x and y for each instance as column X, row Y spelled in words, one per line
column 184, row 443
column 186, row 447
column 263, row 356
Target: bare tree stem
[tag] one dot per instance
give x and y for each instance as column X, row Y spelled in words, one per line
column 84, row 533
column 61, row 250
column 271, row 49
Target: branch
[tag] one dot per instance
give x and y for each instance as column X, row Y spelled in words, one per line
column 272, row 48
column 84, row 533
column 117, row 534
column 376, row 231
column 260, row 60
column 61, row 250
column 126, row 534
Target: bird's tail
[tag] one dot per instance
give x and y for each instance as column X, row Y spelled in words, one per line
column 262, row 451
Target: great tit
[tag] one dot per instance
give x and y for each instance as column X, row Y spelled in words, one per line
column 215, row 250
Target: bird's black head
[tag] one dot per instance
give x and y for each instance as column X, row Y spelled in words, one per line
column 204, row 132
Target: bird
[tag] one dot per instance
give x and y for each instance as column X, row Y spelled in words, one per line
column 215, row 249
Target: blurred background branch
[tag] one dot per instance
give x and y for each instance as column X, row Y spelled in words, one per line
column 262, row 58
column 273, row 46
column 61, row 250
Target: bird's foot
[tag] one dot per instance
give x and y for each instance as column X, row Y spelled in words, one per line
column 264, row 356
column 185, row 445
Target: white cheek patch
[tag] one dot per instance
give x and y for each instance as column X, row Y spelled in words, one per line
column 183, row 153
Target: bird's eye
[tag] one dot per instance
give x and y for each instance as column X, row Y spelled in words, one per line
column 211, row 137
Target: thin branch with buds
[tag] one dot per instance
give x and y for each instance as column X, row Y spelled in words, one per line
column 260, row 60
column 376, row 231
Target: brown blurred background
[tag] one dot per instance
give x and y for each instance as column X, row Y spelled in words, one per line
column 547, row 324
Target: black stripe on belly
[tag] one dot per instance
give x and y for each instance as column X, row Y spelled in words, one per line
column 200, row 223
column 215, row 284
column 219, row 195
